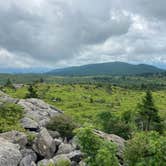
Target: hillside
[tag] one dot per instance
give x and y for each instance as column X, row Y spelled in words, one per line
column 111, row 68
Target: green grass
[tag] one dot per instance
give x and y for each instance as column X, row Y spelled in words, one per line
column 84, row 102
column 10, row 114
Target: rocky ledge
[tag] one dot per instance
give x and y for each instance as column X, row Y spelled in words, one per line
column 38, row 146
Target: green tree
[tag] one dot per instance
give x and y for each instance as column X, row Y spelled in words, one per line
column 112, row 124
column 97, row 151
column 146, row 149
column 148, row 118
column 9, row 84
column 63, row 124
column 32, row 93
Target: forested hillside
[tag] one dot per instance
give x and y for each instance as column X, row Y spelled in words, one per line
column 112, row 68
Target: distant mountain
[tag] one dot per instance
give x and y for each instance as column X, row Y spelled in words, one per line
column 111, row 68
column 24, row 70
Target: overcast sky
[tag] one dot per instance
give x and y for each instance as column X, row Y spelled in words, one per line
column 60, row 33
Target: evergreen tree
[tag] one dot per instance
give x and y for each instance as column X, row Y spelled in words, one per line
column 31, row 92
column 41, row 80
column 9, row 83
column 148, row 117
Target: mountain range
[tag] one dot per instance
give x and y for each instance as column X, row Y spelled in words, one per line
column 110, row 68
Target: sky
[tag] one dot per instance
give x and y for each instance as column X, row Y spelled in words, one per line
column 61, row 33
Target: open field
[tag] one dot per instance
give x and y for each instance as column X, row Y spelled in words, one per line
column 84, row 102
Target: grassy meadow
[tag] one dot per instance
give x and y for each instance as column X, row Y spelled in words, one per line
column 83, row 101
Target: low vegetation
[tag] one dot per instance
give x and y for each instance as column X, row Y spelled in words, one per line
column 63, row 124
column 146, row 148
column 97, row 151
column 136, row 115
column 10, row 114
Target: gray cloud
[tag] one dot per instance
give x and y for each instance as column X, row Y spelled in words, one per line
column 62, row 33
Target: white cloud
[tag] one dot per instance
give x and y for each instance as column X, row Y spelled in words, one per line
column 60, row 33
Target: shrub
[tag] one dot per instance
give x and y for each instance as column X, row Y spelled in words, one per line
column 63, row 124
column 115, row 125
column 32, row 93
column 10, row 114
column 31, row 137
column 97, row 151
column 63, row 162
column 146, row 148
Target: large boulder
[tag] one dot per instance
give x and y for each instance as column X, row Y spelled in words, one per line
column 6, row 98
column 15, row 137
column 29, row 157
column 59, row 158
column 9, row 153
column 75, row 156
column 44, row 144
column 65, row 148
column 29, row 124
column 38, row 111
column 45, row 162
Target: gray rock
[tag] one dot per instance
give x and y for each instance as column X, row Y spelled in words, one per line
column 65, row 148
column 73, row 163
column 27, row 161
column 44, row 144
column 54, row 134
column 6, row 98
column 82, row 163
column 9, row 153
column 15, row 137
column 120, row 142
column 45, row 162
column 29, row 157
column 58, row 141
column 30, row 124
column 27, row 152
column 38, row 110
column 75, row 156
column 61, row 157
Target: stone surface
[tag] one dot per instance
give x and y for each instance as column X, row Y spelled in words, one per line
column 58, row 141
column 75, row 156
column 28, row 161
column 15, row 137
column 45, row 162
column 38, row 110
column 120, row 142
column 63, row 157
column 9, row 153
column 6, row 98
column 54, row 134
column 44, row 144
column 65, row 148
column 30, row 124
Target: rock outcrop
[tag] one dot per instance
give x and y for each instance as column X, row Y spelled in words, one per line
column 44, row 144
column 119, row 141
column 9, row 153
column 47, row 147
column 15, row 137
column 36, row 111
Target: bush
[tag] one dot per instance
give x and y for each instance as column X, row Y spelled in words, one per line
column 146, row 148
column 97, row 151
column 10, row 114
column 63, row 162
column 32, row 92
column 115, row 125
column 63, row 124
